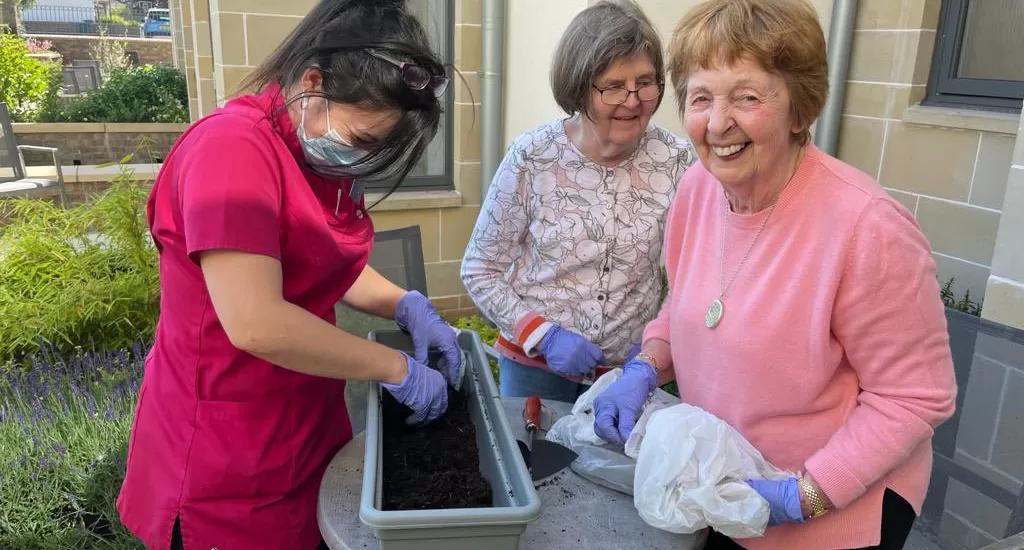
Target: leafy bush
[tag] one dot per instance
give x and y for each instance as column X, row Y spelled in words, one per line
column 64, row 428
column 964, row 304
column 25, row 81
column 85, row 276
column 487, row 331
column 151, row 93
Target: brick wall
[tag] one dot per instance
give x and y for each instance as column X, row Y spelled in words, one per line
column 98, row 143
column 957, row 194
column 153, row 51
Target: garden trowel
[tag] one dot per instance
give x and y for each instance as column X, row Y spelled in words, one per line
column 543, row 458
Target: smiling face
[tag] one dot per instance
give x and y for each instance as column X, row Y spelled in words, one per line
column 622, row 124
column 740, row 121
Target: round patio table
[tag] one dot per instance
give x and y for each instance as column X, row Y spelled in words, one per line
column 575, row 513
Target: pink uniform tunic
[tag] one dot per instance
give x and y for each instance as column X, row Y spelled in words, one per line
column 232, row 444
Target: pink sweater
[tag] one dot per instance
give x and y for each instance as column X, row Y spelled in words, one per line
column 831, row 356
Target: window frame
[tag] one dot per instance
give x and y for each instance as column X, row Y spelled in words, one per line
column 444, row 181
column 948, row 90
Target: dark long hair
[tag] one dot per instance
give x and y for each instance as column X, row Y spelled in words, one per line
column 336, row 37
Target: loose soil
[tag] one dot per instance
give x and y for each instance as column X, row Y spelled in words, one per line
column 431, row 467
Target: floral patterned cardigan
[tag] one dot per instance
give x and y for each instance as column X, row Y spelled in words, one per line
column 563, row 240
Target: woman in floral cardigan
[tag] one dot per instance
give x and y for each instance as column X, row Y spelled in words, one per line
column 566, row 252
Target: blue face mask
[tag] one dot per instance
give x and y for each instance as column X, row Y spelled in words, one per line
column 329, row 150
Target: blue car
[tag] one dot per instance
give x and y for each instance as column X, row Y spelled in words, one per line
column 157, row 23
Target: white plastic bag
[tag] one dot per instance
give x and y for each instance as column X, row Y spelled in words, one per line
column 598, row 460
column 691, row 473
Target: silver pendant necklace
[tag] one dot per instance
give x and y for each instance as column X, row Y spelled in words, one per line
column 716, row 308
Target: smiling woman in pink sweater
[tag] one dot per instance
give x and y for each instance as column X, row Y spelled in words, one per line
column 803, row 305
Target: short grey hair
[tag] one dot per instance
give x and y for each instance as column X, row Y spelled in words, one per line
column 596, row 37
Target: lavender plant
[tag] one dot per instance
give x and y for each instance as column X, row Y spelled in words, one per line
column 64, row 425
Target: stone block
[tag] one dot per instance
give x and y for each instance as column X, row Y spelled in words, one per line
column 1008, row 262
column 456, row 228
column 958, row 229
column 887, row 14
column 993, row 169
column 880, row 100
column 860, row 144
column 443, row 279
column 898, row 56
column 950, row 153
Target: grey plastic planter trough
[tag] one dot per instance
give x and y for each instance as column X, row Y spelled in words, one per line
column 516, row 502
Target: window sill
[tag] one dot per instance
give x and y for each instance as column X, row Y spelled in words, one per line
column 963, row 119
column 414, row 200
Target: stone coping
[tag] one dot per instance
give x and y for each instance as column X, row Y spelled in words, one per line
column 98, row 127
column 399, row 200
column 44, row 36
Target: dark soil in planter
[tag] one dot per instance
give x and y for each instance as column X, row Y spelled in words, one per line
column 431, row 467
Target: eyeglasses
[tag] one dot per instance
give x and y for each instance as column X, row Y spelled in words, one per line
column 617, row 95
column 414, row 76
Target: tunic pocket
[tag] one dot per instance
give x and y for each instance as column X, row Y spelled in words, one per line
column 242, row 450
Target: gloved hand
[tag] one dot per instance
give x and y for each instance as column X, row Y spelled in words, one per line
column 416, row 315
column 617, row 408
column 783, row 500
column 423, row 390
column 568, row 353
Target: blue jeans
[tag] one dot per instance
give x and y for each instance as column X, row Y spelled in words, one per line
column 523, row 381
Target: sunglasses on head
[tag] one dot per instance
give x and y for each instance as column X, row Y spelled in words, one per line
column 414, row 76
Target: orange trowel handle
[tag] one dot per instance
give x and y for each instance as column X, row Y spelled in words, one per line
column 531, row 413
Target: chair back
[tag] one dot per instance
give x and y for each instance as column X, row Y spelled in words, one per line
column 398, row 256
column 988, row 359
column 10, row 163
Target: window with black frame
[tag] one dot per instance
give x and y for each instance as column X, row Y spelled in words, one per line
column 435, row 168
column 979, row 55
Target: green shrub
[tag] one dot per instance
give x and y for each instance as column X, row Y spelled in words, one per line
column 85, row 276
column 25, row 82
column 964, row 304
column 151, row 93
column 487, row 331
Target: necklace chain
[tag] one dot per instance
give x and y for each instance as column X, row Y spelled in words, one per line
column 716, row 308
column 721, row 280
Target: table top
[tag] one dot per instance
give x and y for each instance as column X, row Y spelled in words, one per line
column 576, row 513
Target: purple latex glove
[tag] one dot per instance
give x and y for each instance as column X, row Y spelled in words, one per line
column 617, row 408
column 783, row 500
column 423, row 390
column 416, row 315
column 568, row 353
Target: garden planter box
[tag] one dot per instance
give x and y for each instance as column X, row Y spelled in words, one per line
column 514, row 502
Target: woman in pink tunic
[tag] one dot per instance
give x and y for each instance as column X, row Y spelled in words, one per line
column 260, row 232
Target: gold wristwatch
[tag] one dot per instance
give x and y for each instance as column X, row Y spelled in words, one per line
column 814, row 498
column 649, row 359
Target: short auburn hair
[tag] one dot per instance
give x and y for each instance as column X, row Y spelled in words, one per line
column 783, row 36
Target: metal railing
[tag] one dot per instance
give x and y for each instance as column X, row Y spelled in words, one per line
column 121, row 21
